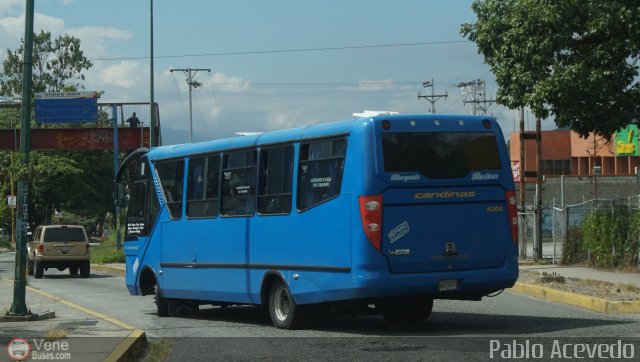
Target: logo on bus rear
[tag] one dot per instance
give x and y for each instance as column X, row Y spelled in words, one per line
column 480, row 176
column 404, row 178
column 398, row 232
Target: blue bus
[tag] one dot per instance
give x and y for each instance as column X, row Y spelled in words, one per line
column 383, row 213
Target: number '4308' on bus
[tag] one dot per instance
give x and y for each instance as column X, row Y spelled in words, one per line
column 380, row 214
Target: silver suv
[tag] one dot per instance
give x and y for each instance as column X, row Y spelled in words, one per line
column 60, row 247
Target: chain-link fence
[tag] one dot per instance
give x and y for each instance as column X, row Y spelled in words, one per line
column 558, row 221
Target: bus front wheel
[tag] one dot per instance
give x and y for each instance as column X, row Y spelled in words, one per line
column 284, row 312
column 406, row 310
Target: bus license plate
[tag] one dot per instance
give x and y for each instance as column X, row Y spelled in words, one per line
column 448, row 284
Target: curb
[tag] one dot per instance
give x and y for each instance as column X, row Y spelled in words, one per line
column 128, row 349
column 595, row 304
column 105, row 268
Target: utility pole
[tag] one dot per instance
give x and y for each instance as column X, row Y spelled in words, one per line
column 432, row 98
column 151, row 86
column 190, row 72
column 478, row 91
column 19, row 306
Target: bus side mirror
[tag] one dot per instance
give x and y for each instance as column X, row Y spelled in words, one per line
column 119, row 194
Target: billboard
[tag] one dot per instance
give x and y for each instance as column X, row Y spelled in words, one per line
column 627, row 141
column 66, row 107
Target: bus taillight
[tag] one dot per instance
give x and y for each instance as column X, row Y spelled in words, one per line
column 371, row 215
column 513, row 215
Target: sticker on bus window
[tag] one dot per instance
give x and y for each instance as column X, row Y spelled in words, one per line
column 398, row 232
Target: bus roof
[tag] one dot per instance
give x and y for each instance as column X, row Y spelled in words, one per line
column 289, row 135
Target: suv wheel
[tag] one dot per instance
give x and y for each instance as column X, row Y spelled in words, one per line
column 85, row 269
column 73, row 270
column 38, row 269
column 29, row 266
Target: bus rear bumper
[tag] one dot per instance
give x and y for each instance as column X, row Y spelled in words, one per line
column 469, row 284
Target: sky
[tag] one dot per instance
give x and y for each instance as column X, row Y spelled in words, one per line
column 274, row 64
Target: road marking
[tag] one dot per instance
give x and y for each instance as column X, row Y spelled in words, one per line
column 83, row 309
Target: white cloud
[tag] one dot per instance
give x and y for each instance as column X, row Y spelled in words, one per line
column 230, row 83
column 95, row 40
column 125, row 74
column 10, row 6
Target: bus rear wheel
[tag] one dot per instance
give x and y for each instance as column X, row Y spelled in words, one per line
column 410, row 310
column 284, row 312
column 162, row 304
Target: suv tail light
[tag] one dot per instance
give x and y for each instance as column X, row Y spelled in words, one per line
column 513, row 215
column 40, row 248
column 371, row 216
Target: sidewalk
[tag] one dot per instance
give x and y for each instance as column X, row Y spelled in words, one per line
column 586, row 273
column 74, row 333
column 596, row 304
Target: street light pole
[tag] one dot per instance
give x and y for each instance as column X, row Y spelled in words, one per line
column 19, row 307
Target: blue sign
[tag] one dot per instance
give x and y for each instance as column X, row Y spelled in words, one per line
column 66, row 107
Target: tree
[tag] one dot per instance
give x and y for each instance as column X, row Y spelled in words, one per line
column 574, row 59
column 57, row 65
column 77, row 182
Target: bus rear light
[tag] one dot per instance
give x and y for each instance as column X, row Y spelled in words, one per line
column 513, row 215
column 386, row 125
column 371, row 216
column 486, row 124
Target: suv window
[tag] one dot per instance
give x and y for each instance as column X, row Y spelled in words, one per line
column 63, row 234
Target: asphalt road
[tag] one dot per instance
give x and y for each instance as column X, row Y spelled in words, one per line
column 455, row 331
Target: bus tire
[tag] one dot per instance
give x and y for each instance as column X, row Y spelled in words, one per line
column 38, row 269
column 410, row 310
column 285, row 314
column 162, row 304
column 85, row 269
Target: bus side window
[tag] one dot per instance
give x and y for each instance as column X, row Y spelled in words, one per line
column 275, row 180
column 202, row 187
column 171, row 175
column 320, row 172
column 239, row 183
column 142, row 203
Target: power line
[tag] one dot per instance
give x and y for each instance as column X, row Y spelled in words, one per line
column 277, row 51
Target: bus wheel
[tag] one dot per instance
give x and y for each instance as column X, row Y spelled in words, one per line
column 282, row 309
column 406, row 310
column 162, row 305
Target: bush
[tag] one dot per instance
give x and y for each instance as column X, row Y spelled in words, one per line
column 610, row 238
column 107, row 252
column 573, row 252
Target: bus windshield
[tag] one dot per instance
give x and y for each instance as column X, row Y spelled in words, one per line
column 440, row 155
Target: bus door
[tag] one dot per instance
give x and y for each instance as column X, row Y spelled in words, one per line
column 445, row 206
column 136, row 194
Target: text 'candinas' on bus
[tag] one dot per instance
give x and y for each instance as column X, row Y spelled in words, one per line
column 379, row 214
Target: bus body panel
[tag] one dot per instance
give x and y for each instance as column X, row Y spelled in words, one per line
column 445, row 233
column 322, row 253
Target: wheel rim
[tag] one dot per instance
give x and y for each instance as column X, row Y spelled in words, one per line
column 281, row 304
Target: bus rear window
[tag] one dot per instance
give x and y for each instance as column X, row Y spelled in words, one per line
column 440, row 155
